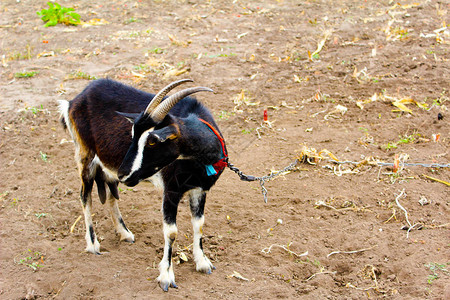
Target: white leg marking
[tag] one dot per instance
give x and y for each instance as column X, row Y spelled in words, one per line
column 203, row 264
column 125, row 234
column 93, row 247
column 166, row 276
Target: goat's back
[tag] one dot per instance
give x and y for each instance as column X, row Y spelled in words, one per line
column 93, row 119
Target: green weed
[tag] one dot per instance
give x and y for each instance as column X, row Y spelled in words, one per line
column 39, row 215
column 437, row 270
column 225, row 115
column 142, row 67
column 18, row 55
column 14, row 202
column 44, row 156
column 131, row 20
column 57, row 14
column 25, row 74
column 32, row 260
column 81, row 75
column 35, row 109
column 406, row 139
column 4, row 195
column 390, row 146
column 156, row 50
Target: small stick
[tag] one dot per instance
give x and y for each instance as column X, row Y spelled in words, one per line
column 267, row 250
column 321, row 272
column 406, row 213
column 401, row 207
column 351, row 252
column 322, row 203
column 435, row 179
column 393, row 216
column 73, row 226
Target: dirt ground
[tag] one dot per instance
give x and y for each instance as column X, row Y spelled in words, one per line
column 365, row 80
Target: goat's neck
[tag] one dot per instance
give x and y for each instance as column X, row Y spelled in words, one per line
column 198, row 142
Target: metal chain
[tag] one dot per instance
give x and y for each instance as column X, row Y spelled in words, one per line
column 383, row 164
column 263, row 179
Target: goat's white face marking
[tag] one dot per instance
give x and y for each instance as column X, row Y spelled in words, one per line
column 137, row 163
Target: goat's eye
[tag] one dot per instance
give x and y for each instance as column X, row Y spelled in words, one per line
column 151, row 143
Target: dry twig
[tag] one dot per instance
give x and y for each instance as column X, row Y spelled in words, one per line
column 267, row 250
column 410, row 227
column 435, row 179
column 318, row 273
column 75, row 223
column 351, row 252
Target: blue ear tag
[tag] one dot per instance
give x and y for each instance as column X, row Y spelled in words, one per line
column 210, row 171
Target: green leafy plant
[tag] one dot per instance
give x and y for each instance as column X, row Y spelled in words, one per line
column 57, row 14
column 80, row 75
column 225, row 115
column 35, row 109
column 44, row 156
column 25, row 74
column 436, row 269
column 131, row 20
column 39, row 215
column 156, row 50
column 32, row 260
column 406, row 139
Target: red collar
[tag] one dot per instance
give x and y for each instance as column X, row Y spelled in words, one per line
column 222, row 142
column 221, row 163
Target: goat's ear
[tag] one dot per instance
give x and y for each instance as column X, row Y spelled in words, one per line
column 129, row 116
column 166, row 133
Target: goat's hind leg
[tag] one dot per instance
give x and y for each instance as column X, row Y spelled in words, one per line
column 87, row 179
column 197, row 204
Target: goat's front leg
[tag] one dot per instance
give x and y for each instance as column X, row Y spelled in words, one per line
column 197, row 204
column 166, row 276
column 125, row 234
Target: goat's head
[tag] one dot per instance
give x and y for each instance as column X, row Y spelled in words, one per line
column 155, row 136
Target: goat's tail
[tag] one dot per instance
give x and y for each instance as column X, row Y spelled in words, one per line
column 63, row 107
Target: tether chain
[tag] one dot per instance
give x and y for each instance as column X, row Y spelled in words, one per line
column 263, row 179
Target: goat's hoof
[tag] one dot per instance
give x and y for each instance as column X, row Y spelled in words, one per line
column 127, row 237
column 165, row 285
column 205, row 266
column 93, row 250
column 206, row 269
column 128, row 240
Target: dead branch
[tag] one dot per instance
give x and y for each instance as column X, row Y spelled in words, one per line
column 267, row 250
column 351, row 252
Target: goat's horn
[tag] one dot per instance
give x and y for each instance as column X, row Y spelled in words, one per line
column 158, row 97
column 163, row 109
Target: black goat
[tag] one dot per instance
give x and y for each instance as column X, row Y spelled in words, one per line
column 120, row 136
